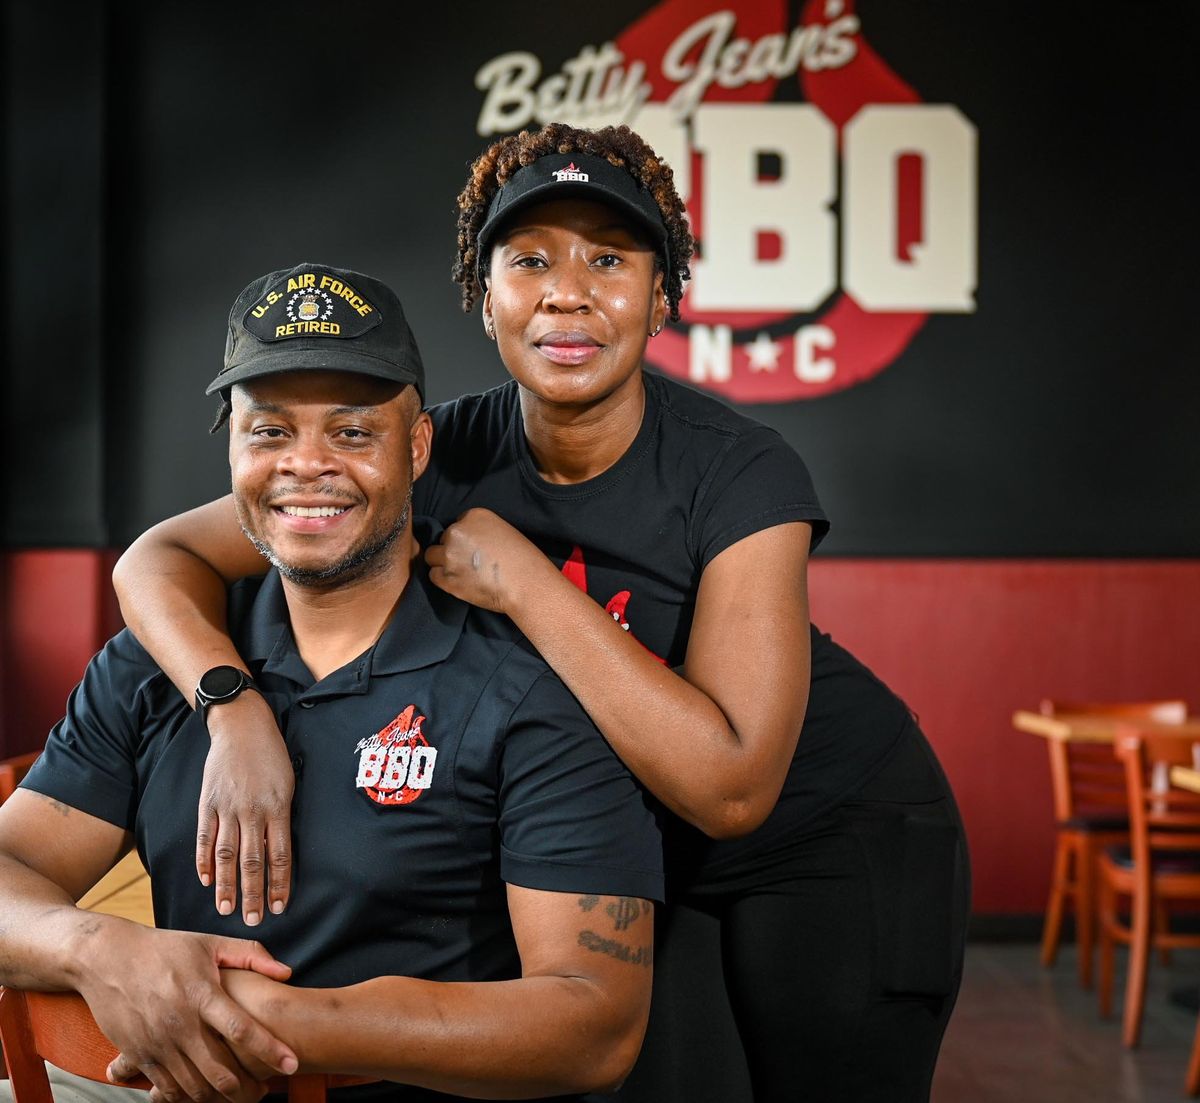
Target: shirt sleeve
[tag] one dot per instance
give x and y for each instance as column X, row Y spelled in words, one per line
column 90, row 759
column 572, row 818
column 759, row 482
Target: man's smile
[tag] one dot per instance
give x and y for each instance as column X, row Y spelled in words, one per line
column 312, row 511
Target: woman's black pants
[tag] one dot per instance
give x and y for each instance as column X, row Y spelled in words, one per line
column 830, row 979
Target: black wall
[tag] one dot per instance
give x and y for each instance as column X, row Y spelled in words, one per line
column 158, row 157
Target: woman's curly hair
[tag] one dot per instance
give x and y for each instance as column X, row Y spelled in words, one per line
column 618, row 145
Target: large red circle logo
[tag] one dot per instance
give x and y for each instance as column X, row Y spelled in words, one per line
column 832, row 208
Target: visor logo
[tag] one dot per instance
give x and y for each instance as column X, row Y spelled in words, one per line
column 571, row 173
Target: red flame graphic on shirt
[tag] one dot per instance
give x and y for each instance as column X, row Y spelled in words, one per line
column 575, row 572
column 395, row 765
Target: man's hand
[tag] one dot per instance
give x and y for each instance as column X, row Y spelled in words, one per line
column 258, row 996
column 245, row 808
column 157, row 996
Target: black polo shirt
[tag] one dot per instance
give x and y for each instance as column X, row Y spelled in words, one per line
column 442, row 763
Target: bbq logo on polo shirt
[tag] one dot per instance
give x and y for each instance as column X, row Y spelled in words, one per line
column 395, row 765
column 311, row 304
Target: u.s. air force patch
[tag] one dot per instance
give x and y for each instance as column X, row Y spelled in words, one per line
column 310, row 304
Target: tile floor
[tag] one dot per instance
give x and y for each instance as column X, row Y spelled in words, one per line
column 1022, row 1034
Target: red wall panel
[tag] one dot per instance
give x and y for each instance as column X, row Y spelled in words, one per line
column 964, row 642
column 59, row 609
column 968, row 642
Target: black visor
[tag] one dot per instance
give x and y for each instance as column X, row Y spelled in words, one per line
column 574, row 176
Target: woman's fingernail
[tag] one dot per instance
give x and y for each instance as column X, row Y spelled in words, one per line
column 277, row 907
column 252, row 919
column 289, row 1065
column 225, row 907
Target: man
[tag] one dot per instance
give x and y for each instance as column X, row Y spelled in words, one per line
column 471, row 864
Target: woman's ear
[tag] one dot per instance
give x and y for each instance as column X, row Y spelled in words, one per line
column 489, row 323
column 658, row 307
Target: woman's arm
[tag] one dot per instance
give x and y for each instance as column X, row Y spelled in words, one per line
column 573, row 1022
column 713, row 745
column 171, row 586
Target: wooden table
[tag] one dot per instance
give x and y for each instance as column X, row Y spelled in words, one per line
column 1184, row 777
column 1089, row 728
column 124, row 890
column 1085, row 728
column 1082, row 727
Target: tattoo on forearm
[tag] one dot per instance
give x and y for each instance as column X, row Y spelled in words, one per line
column 634, row 955
column 623, row 911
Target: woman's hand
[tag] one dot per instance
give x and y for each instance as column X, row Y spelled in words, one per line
column 245, row 808
column 483, row 560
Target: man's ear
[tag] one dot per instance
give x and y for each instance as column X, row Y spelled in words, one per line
column 422, row 443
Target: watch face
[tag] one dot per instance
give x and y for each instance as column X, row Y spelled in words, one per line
column 221, row 681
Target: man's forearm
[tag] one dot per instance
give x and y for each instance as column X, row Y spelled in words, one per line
column 543, row 1035
column 44, row 938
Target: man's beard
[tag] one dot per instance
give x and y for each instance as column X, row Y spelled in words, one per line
column 358, row 563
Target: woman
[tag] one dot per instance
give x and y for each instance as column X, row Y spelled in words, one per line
column 652, row 544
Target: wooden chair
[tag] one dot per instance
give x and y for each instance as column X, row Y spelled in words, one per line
column 1193, row 1073
column 1091, row 814
column 12, row 770
column 1161, row 863
column 58, row 1027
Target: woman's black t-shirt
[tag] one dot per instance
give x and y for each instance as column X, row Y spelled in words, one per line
column 697, row 478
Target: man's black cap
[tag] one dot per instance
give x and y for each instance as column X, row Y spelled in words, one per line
column 574, row 176
column 315, row 317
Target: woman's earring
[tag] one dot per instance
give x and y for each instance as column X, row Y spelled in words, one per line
column 489, row 327
column 657, row 330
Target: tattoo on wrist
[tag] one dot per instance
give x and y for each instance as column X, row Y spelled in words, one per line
column 622, row 951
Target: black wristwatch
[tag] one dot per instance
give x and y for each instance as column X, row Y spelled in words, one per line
column 220, row 684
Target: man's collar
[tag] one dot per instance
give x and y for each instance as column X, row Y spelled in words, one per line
column 423, row 630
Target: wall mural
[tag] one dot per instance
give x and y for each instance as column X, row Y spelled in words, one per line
column 940, row 243
column 828, row 230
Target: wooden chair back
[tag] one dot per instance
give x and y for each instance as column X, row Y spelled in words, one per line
column 58, row 1027
column 12, row 770
column 1087, row 780
column 1160, row 818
